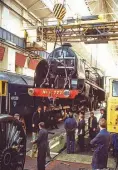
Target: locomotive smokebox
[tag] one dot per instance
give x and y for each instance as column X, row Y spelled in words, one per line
column 41, row 72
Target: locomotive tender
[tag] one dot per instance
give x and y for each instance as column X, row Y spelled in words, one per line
column 68, row 80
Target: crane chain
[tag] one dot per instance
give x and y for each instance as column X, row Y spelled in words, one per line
column 59, row 31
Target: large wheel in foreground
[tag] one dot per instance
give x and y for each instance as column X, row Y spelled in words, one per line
column 12, row 144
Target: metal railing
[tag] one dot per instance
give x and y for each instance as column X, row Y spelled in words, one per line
column 11, row 38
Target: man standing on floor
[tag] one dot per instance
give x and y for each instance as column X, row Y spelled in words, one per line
column 81, row 132
column 70, row 126
column 42, row 143
column 102, row 140
column 21, row 120
column 92, row 125
column 44, row 116
column 103, row 114
column 53, row 122
column 36, row 119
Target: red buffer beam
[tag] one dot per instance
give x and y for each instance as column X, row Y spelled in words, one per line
column 53, row 93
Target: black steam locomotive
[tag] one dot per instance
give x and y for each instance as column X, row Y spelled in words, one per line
column 66, row 70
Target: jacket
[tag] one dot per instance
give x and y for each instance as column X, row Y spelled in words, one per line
column 44, row 116
column 94, row 123
column 36, row 118
column 70, row 125
column 100, row 156
column 104, row 116
column 42, row 140
column 81, row 127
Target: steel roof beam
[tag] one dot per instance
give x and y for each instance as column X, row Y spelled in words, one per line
column 107, row 31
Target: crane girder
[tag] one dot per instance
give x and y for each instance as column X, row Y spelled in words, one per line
column 86, row 32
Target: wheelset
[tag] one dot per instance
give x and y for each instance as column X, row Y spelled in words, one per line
column 12, row 144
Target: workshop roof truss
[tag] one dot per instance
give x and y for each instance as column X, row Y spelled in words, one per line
column 83, row 32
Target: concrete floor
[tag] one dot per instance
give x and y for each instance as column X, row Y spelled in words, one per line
column 57, row 165
column 84, row 158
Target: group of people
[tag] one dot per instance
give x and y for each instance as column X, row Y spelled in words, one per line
column 71, row 125
column 46, row 116
column 99, row 137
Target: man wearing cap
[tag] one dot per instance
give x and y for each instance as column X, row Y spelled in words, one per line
column 42, row 143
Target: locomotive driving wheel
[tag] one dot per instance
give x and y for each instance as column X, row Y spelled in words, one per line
column 12, row 144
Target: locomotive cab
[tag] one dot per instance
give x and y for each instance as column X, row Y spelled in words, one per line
column 112, row 107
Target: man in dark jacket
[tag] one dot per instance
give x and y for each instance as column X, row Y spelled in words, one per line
column 103, row 114
column 92, row 125
column 42, row 143
column 45, row 116
column 70, row 126
column 36, row 119
column 21, row 120
column 53, row 122
column 102, row 140
column 81, row 132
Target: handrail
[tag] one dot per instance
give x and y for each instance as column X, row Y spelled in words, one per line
column 10, row 37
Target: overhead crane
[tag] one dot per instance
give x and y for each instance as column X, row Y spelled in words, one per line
column 98, row 32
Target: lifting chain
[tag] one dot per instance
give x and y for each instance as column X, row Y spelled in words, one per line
column 58, row 32
column 59, row 12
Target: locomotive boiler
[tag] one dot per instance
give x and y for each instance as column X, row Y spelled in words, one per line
column 66, row 78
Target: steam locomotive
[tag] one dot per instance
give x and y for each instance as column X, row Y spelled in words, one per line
column 67, row 79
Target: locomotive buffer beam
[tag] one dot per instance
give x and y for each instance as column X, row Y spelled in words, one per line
column 88, row 33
